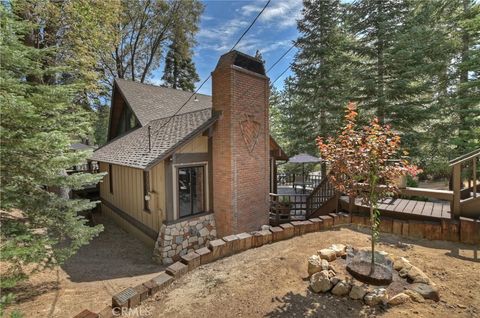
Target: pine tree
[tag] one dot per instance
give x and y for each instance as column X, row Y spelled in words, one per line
column 39, row 122
column 323, row 80
column 179, row 71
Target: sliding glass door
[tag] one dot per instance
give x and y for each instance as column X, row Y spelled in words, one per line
column 191, row 190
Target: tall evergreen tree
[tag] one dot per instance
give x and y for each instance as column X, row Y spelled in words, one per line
column 40, row 119
column 179, row 71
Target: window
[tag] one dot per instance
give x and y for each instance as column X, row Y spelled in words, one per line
column 110, row 178
column 146, row 190
column 191, row 190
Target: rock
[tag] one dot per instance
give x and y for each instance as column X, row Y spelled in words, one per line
column 357, row 292
column 340, row 249
column 376, row 297
column 398, row 299
column 461, row 306
column 320, row 282
column 327, row 254
column 331, row 273
column 342, row 288
column 314, row 265
column 414, row 296
column 324, row 264
column 401, row 263
column 403, row 272
column 417, row 276
column 427, row 291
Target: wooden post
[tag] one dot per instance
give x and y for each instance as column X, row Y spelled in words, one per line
column 474, row 177
column 351, row 204
column 457, row 179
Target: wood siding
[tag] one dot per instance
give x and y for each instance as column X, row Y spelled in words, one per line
column 127, row 186
column 128, row 193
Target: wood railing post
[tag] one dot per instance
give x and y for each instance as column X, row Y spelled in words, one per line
column 457, row 180
column 474, row 177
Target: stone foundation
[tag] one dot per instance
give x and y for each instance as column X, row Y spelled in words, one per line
column 183, row 237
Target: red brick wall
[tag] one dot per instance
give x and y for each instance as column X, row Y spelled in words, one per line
column 240, row 174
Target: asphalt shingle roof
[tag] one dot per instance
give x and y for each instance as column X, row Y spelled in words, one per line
column 132, row 150
column 154, row 106
column 150, row 102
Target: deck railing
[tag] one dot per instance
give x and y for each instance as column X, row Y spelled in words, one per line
column 320, row 195
column 286, row 179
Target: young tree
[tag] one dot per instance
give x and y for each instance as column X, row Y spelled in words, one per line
column 40, row 120
column 361, row 166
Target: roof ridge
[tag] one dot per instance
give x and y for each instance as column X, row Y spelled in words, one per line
column 158, row 86
column 193, row 111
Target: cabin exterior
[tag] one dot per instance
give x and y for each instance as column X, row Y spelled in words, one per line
column 178, row 177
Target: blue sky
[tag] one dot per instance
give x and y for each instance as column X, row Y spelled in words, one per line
column 223, row 22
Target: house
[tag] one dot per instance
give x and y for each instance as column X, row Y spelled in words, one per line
column 178, row 178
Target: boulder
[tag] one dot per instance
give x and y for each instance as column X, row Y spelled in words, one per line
column 320, row 282
column 401, row 263
column 403, row 272
column 398, row 299
column 377, row 296
column 415, row 275
column 314, row 264
column 427, row 291
column 327, row 254
column 342, row 288
column 339, row 249
column 357, row 292
column 416, row 297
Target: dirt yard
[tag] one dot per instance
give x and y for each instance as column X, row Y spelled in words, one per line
column 271, row 282
column 113, row 261
column 265, row 282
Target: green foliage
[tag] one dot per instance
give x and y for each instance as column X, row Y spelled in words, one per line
column 414, row 64
column 40, row 119
column 101, row 124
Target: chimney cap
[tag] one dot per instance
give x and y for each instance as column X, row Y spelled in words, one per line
column 242, row 60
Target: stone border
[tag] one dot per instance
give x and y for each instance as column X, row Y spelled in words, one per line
column 465, row 231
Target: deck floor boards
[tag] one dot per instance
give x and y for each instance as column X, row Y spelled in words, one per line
column 418, row 209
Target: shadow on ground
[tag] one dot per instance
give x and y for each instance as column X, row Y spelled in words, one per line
column 293, row 305
column 113, row 254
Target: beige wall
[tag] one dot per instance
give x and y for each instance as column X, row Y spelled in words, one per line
column 128, row 193
column 128, row 188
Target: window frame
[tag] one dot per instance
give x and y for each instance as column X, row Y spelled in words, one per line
column 146, row 191
column 110, row 177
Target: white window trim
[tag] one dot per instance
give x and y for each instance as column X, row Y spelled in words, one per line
column 175, row 185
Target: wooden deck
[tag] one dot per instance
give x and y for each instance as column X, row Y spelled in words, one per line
column 408, row 209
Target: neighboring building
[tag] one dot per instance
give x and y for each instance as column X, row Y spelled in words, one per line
column 178, row 178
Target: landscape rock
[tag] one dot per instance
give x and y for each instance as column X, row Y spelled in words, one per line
column 414, row 296
column 417, row 276
column 401, row 263
column 340, row 249
column 357, row 292
column 327, row 254
column 398, row 299
column 403, row 272
column 342, row 288
column 325, row 265
column 377, row 296
column 314, row 265
column 427, row 291
column 320, row 282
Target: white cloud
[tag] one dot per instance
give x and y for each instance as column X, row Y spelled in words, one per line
column 284, row 13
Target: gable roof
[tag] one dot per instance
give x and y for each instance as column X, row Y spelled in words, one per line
column 133, row 149
column 150, row 102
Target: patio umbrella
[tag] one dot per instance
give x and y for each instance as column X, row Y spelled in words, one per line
column 304, row 158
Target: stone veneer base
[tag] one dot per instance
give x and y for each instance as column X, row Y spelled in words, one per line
column 183, row 237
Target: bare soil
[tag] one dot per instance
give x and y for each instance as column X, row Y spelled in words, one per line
column 270, row 281
column 112, row 262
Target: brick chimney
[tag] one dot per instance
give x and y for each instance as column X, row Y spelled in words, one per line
column 240, row 144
